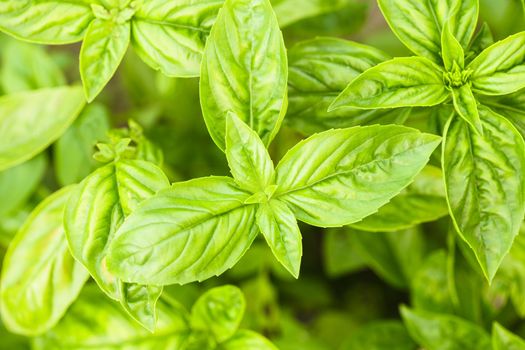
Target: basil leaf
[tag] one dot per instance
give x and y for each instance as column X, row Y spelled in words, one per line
column 340, row 253
column 170, row 35
column 380, row 335
column 484, row 188
column 40, row 278
column 292, row 11
column 466, row 106
column 502, row 339
column 244, row 70
column 422, row 201
column 249, row 160
column 73, row 151
column 511, row 107
column 110, row 328
column 245, row 339
column 481, row 41
column 444, row 332
column 30, row 121
column 102, row 51
column 28, row 67
column 429, row 17
column 219, row 311
column 338, row 177
column 400, row 82
column 500, row 69
column 512, row 273
column 278, row 225
column 95, row 210
column 319, row 70
column 19, row 182
column 452, row 52
column 45, row 21
column 208, row 214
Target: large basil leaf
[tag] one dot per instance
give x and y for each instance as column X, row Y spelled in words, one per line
column 96, row 209
column 279, row 226
column 339, row 177
column 380, row 335
column 422, row 201
column 19, row 182
column 40, row 278
column 73, row 151
column 220, row 311
column 500, row 69
column 207, row 214
column 485, row 191
column 30, row 121
column 245, row 339
column 249, row 160
column 319, row 70
column 45, row 21
column 102, row 51
column 502, row 339
column 418, row 24
column 108, row 327
column 400, row 82
column 170, row 35
column 444, row 332
column 244, row 70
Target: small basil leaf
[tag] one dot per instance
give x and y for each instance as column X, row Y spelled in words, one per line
column 245, row 339
column 30, row 121
column 500, row 69
column 438, row 332
column 40, row 278
column 45, row 21
column 278, row 225
column 339, row 177
column 422, row 201
column 466, row 106
column 140, row 302
column 400, row 82
column 249, row 160
column 207, row 214
column 485, row 191
column 110, row 328
column 380, row 335
column 220, row 311
column 451, row 50
column 102, row 51
column 503, row 339
column 429, row 17
column 511, row 107
column 170, row 35
column 244, row 70
column 73, row 151
column 481, row 41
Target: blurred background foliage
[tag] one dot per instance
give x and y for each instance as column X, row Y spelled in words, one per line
column 352, row 282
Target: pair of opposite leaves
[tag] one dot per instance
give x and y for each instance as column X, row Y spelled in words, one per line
column 483, row 153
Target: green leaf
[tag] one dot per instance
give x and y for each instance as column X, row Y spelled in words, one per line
column 481, row 41
column 19, row 182
column 249, row 160
column 95, row 211
column 319, row 70
column 339, row 177
column 340, row 253
column 511, row 107
column 380, row 335
column 207, row 214
column 502, row 339
column 279, row 226
column 102, row 51
column 429, row 17
column 108, row 327
column 466, row 106
column 30, row 121
column 40, row 278
column 45, row 21
column 28, row 67
column 500, row 69
column 292, row 11
column 444, row 332
column 485, row 191
column 422, row 201
column 400, row 82
column 452, row 52
column 219, row 311
column 244, row 70
column 170, row 35
column 245, row 339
